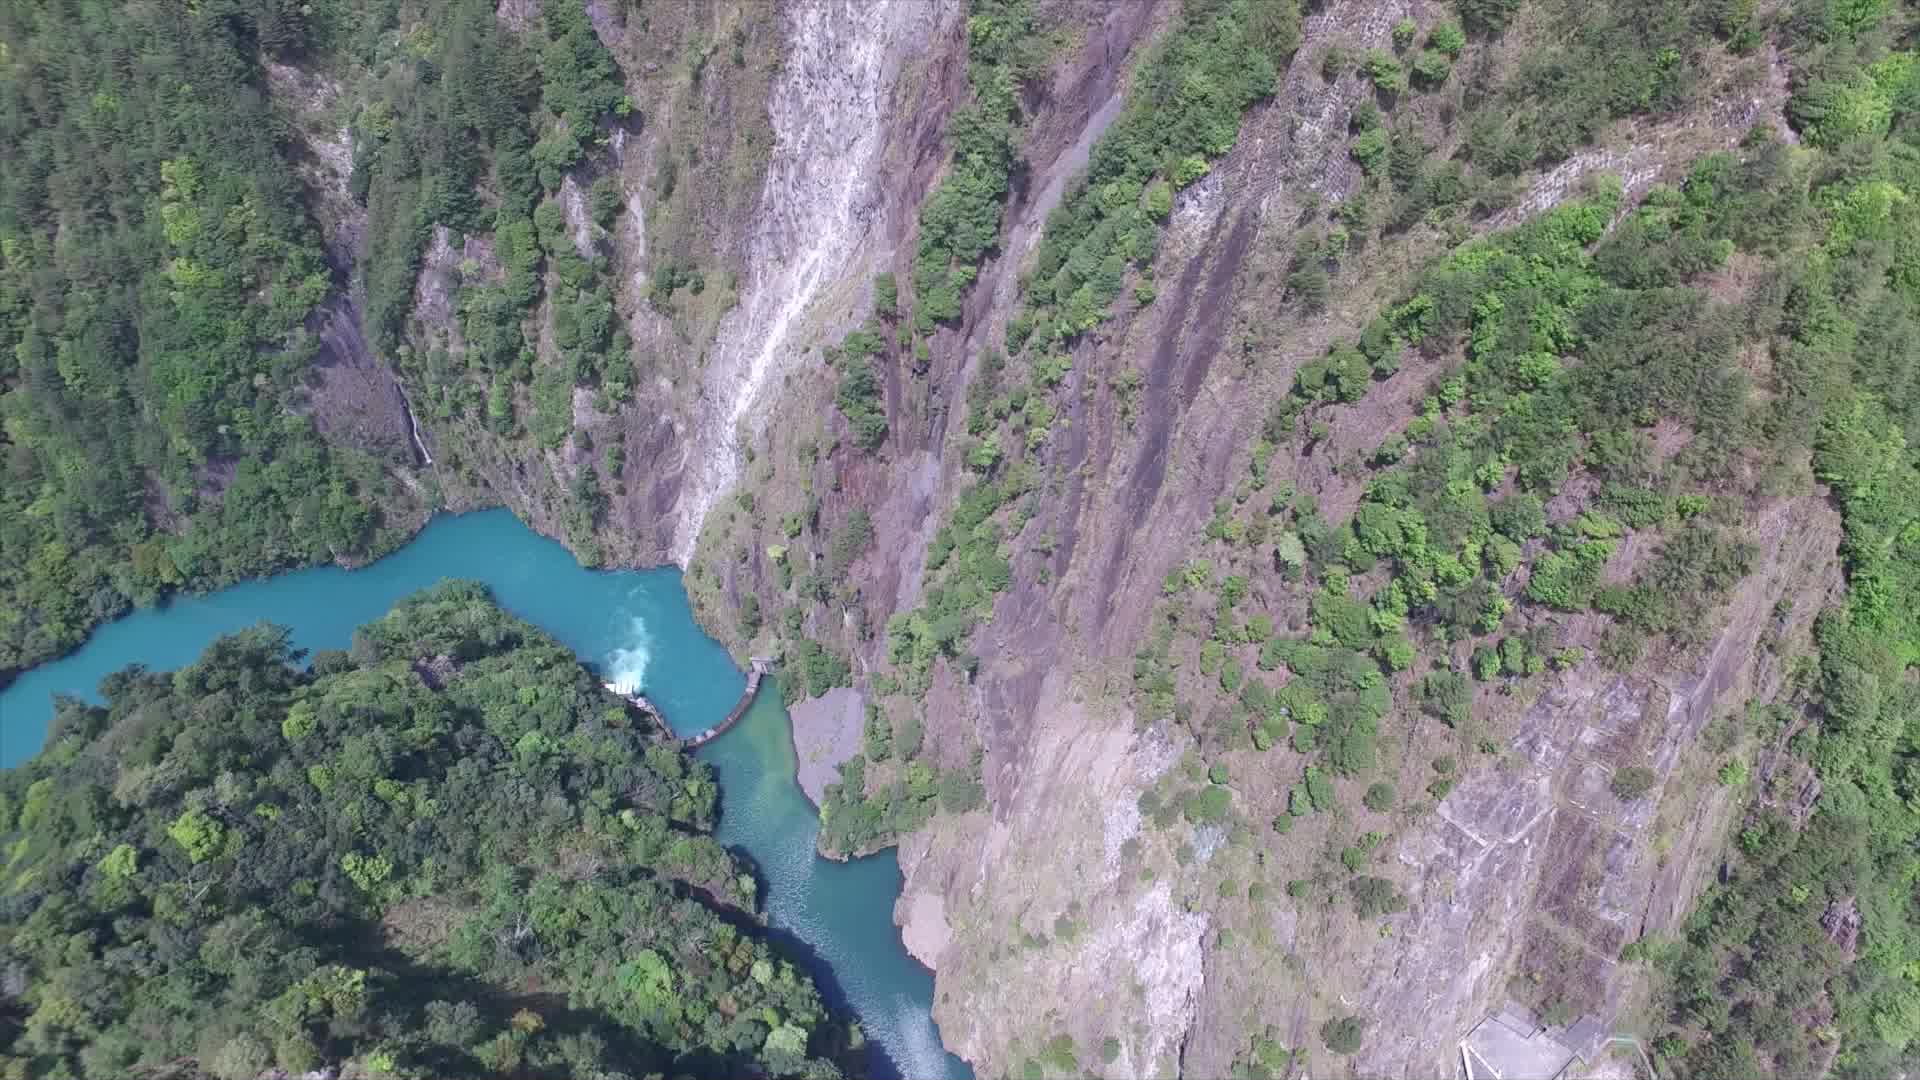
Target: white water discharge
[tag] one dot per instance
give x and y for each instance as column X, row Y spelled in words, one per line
column 820, row 200
column 627, row 665
column 413, row 425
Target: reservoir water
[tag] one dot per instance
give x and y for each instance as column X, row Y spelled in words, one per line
column 633, row 624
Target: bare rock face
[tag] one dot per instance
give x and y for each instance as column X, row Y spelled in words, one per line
column 923, row 926
column 517, row 14
column 827, row 731
column 1842, row 921
column 573, row 203
column 814, row 226
column 1036, row 916
column 353, row 398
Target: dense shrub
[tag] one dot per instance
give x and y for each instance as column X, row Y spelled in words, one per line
column 960, row 221
column 1611, row 60
column 1343, row 1034
column 1182, row 112
column 861, row 393
column 1374, row 897
column 1487, row 16
column 1208, row 805
column 1633, row 782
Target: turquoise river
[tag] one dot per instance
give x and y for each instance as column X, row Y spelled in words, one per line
column 631, row 625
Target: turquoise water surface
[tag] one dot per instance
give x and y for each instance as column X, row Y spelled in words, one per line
column 633, row 625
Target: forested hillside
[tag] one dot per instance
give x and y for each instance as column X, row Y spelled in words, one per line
column 157, row 268
column 445, row 852
column 1802, row 958
column 161, row 268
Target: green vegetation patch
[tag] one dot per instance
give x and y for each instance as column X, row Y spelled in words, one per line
column 1827, row 896
column 1182, row 113
column 253, row 865
column 157, row 265
column 960, row 220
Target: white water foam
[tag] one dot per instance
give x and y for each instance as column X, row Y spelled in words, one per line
column 816, row 210
column 627, row 665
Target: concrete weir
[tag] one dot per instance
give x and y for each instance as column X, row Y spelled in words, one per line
column 761, row 666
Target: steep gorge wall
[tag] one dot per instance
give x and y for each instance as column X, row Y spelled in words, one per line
column 819, row 223
column 1066, row 756
column 798, row 206
column 1536, row 870
column 1035, row 913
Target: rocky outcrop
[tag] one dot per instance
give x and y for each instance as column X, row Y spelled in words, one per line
column 1536, row 869
column 826, row 732
column 351, row 395
column 814, row 228
column 1035, row 917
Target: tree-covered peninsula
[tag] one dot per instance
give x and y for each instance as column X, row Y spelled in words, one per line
column 446, row 851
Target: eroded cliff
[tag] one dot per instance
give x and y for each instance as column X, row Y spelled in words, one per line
column 1060, row 903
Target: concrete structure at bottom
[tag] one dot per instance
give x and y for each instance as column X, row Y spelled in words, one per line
column 1513, row 1044
column 626, row 688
